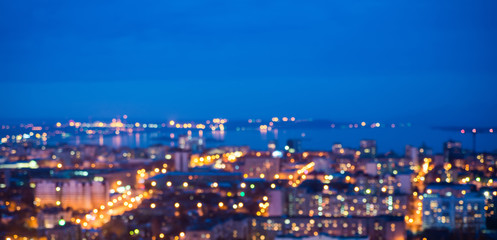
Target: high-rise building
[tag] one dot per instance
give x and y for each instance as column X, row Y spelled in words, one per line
column 78, row 194
column 452, row 212
column 452, row 151
column 261, row 167
column 293, row 145
column 368, row 148
column 412, row 155
column 181, row 161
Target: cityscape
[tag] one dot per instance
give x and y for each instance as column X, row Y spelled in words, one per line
column 186, row 190
column 248, row 120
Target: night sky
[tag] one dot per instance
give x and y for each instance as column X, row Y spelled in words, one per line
column 432, row 62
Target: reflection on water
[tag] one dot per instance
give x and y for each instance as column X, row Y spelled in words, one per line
column 312, row 139
column 116, row 141
column 218, row 135
column 137, row 140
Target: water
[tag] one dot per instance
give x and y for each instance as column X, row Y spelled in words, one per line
column 312, row 139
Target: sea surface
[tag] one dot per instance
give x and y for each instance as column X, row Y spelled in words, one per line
column 387, row 139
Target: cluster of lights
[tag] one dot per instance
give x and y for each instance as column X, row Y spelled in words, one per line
column 263, row 206
column 306, row 168
column 186, row 125
column 216, row 159
column 474, row 131
column 125, row 199
column 24, row 136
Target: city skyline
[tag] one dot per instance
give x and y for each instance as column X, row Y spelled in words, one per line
column 248, row 120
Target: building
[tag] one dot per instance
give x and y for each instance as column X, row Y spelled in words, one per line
column 293, row 145
column 80, row 189
column 235, row 228
column 261, row 167
column 177, row 179
column 412, row 155
column 374, row 228
column 451, row 212
column 303, row 201
column 320, row 236
column 181, row 161
column 78, row 194
column 368, row 148
column 452, row 151
column 53, row 216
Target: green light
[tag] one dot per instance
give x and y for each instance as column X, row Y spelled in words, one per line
column 252, row 186
column 137, row 231
column 131, row 233
column 62, row 222
column 242, row 194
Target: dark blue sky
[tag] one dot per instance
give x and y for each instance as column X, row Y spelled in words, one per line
column 425, row 61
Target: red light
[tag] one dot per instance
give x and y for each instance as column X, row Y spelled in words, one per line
column 462, row 131
column 474, row 130
column 491, row 130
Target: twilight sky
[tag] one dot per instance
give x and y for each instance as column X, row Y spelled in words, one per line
column 433, row 62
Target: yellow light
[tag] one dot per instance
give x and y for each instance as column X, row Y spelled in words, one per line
column 176, row 205
column 199, row 205
column 171, row 122
column 59, row 124
column 152, row 205
column 221, row 204
column 153, row 183
column 185, row 184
